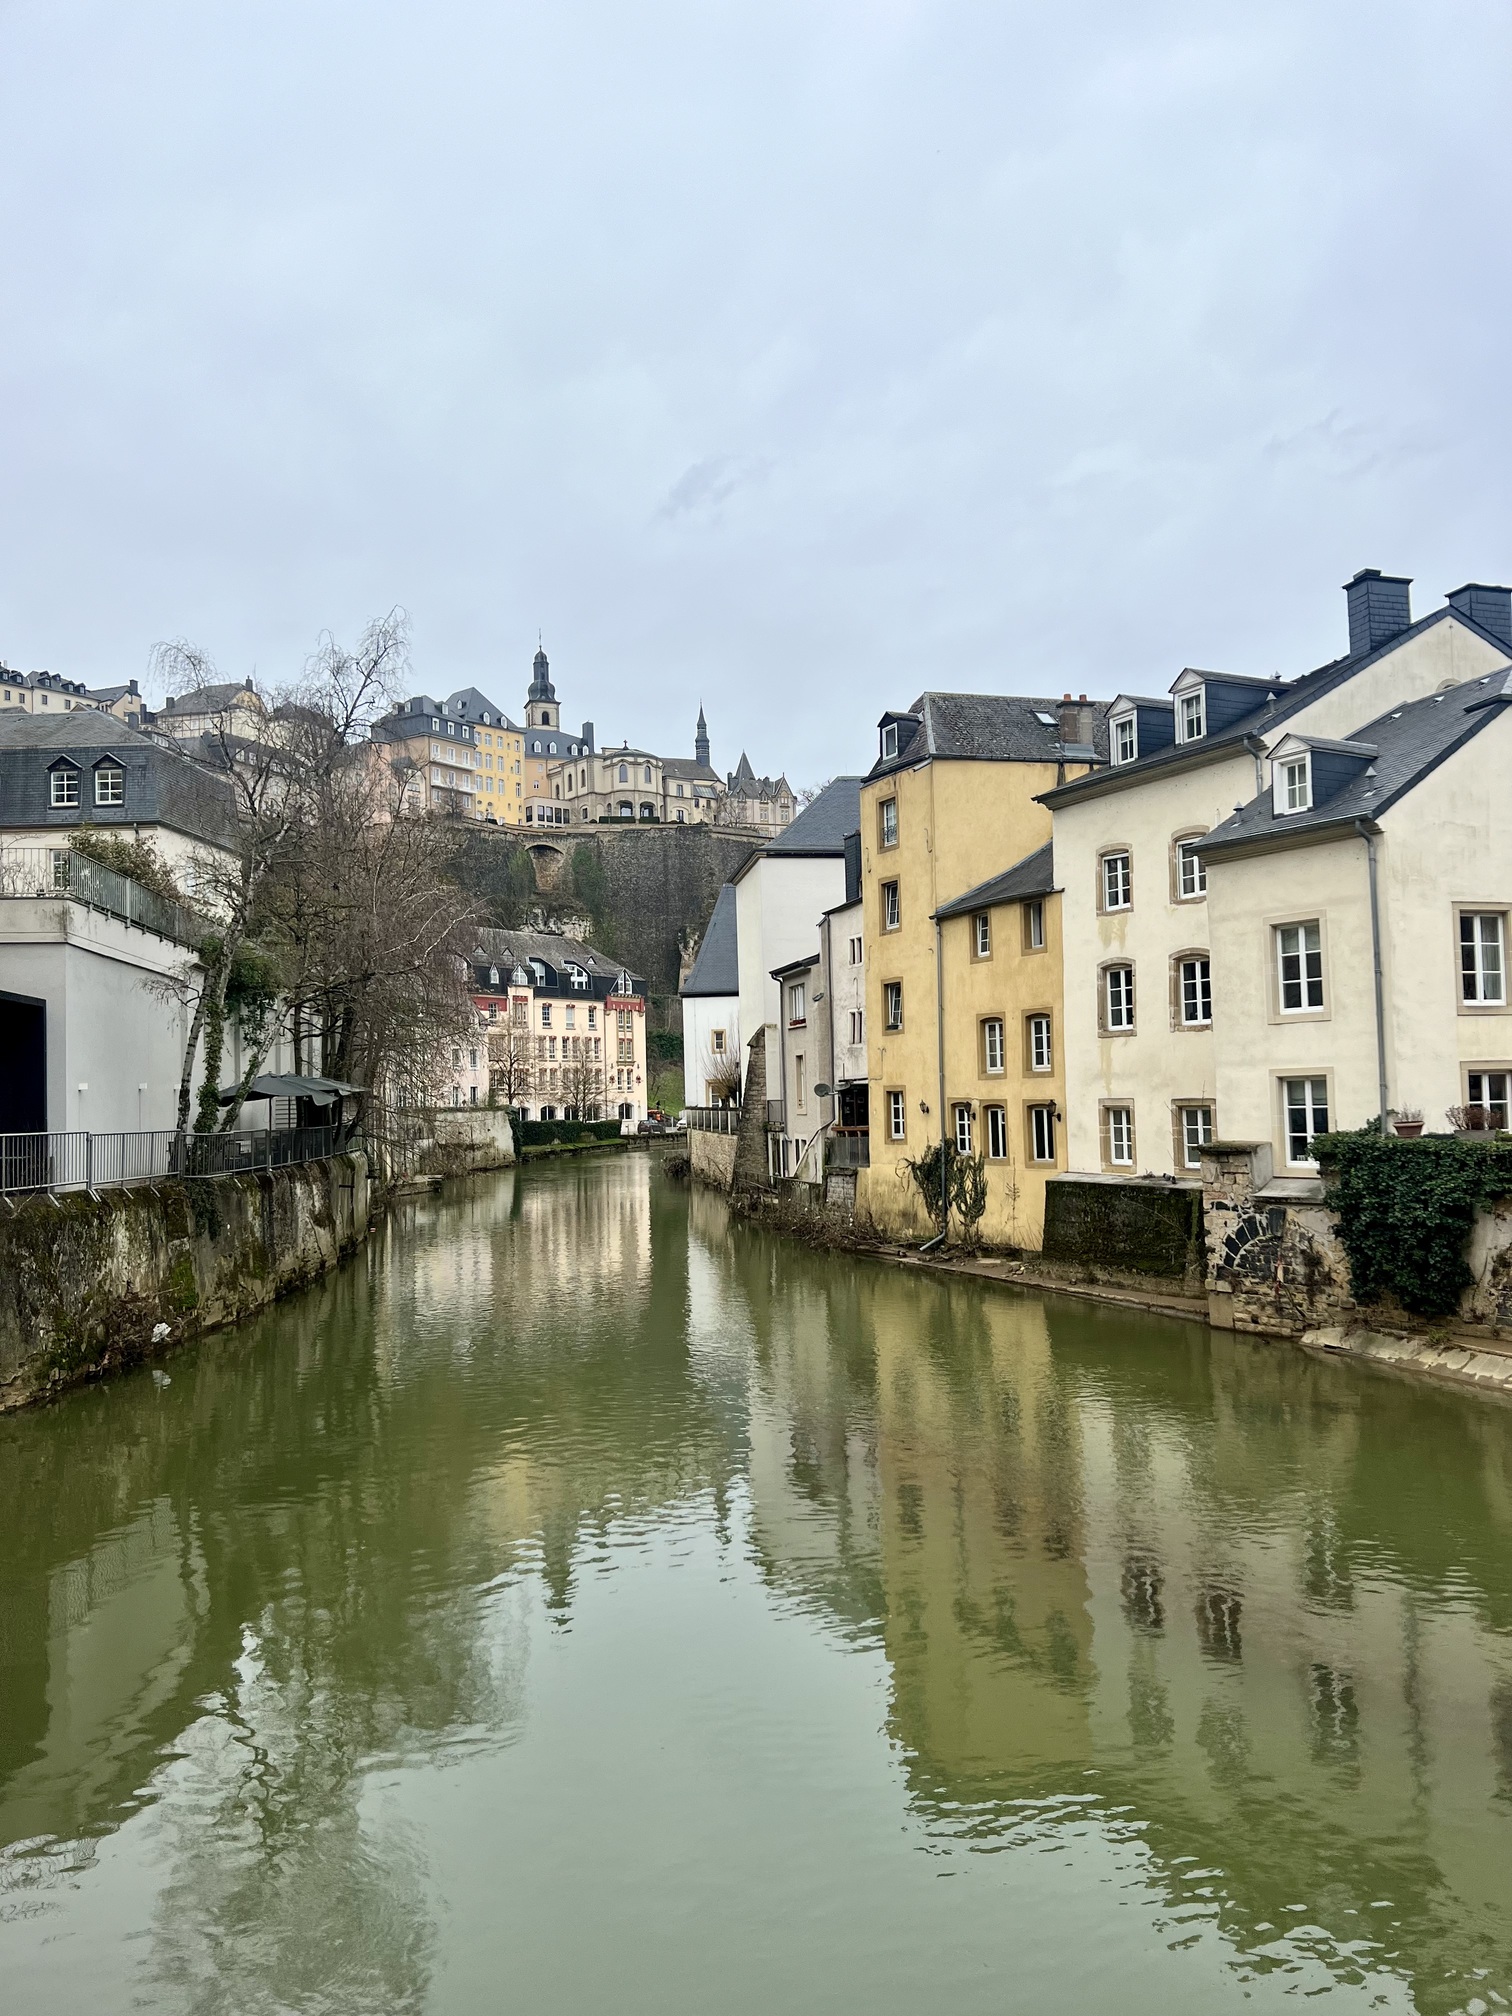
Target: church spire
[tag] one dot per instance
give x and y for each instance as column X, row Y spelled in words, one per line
column 701, row 739
column 541, row 710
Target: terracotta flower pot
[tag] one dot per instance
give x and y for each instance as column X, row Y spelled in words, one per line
column 1409, row 1130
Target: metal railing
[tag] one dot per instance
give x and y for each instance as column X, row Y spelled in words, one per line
column 712, row 1119
column 78, row 1161
column 60, row 871
column 848, row 1148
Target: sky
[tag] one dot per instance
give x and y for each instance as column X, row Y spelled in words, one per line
column 787, row 358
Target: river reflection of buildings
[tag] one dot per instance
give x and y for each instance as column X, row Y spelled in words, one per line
column 1190, row 1577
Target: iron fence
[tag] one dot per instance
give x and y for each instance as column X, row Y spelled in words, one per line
column 78, row 1161
column 60, row 871
column 712, row 1119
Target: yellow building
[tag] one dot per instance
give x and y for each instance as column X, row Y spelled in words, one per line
column 949, row 805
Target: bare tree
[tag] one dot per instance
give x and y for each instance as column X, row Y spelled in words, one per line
column 583, row 1091
column 511, row 1061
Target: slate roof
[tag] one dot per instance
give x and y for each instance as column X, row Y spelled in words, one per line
column 208, row 699
column 1409, row 744
column 507, row 949
column 164, row 786
column 987, row 728
column 685, row 766
column 821, row 828
column 1033, row 876
column 1284, row 700
column 468, row 704
column 716, row 970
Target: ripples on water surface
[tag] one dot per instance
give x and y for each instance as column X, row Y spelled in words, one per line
column 580, row 1605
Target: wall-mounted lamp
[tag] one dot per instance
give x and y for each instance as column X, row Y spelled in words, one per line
column 923, row 1105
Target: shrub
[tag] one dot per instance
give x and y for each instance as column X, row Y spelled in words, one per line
column 1406, row 1209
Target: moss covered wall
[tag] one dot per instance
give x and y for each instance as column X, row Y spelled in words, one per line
column 1141, row 1228
column 86, row 1281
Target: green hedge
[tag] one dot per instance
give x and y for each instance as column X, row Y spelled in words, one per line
column 548, row 1133
column 1406, row 1210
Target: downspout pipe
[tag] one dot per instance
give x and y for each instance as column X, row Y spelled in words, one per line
column 940, row 1237
column 1367, row 833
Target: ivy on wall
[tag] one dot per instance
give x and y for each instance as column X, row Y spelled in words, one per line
column 1406, row 1210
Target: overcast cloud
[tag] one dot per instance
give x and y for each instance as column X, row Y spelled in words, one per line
column 791, row 357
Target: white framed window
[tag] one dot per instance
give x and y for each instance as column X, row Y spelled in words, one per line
column 1492, row 1092
column 1118, row 1136
column 109, row 784
column 897, row 1116
column 892, row 1003
column 992, row 1046
column 981, row 926
column 889, row 822
column 1191, row 871
column 1041, row 1057
column 1125, row 739
column 1304, row 1113
column 1191, row 716
column 797, row 1005
column 1042, row 1133
column 857, row 951
column 1034, row 926
column 1118, row 997
column 1117, row 881
column 545, row 1014
column 1294, row 791
column 857, row 1027
column 1196, row 992
column 891, row 908
column 65, row 788
column 997, row 1133
column 1196, row 1132
column 1299, row 967
column 1483, row 963
column 963, row 1130
column 716, row 1040
column 889, row 739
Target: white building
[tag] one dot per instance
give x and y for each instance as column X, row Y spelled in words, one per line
column 561, row 1031
column 1144, row 984
column 710, row 995
column 780, row 894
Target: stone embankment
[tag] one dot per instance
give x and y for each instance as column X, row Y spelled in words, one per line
column 93, row 1282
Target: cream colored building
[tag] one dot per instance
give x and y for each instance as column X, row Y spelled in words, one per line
column 40, row 693
column 1144, row 984
column 460, row 757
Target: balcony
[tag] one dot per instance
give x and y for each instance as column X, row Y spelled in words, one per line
column 848, row 1148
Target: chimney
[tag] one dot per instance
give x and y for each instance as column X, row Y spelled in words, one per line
column 1075, row 720
column 1379, row 609
column 1490, row 607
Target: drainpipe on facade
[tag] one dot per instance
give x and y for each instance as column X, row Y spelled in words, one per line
column 940, row 1237
column 1365, row 833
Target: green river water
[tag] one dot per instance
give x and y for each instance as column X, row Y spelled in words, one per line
column 583, row 1604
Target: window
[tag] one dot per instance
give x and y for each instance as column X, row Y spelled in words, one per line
column 992, row 1046
column 1299, row 956
column 889, row 739
column 624, row 771
column 891, row 912
column 1483, row 968
column 1196, row 993
column 1118, row 1136
column 963, row 1130
column 857, row 952
column 1034, row 926
column 571, row 1016
column 545, row 1014
column 1039, row 1051
column 645, row 773
column 797, row 1006
column 897, row 1116
column 1189, row 716
column 888, row 822
column 626, row 809
column 800, row 1084
column 1489, row 1090
column 1191, row 871
column 1295, row 794
column 1117, row 881
column 65, row 787
column 110, row 784
column 1041, row 1133
column 1118, row 998
column 981, row 929
column 997, row 1133
column 593, row 1021
column 716, row 1040
column 1125, row 739
column 1196, row 1127
column 1305, row 1110
column 451, row 727
column 857, row 1026
column 892, row 1003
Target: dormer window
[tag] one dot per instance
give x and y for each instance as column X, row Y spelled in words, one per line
column 889, row 740
column 1125, row 739
column 109, row 784
column 1294, row 784
column 1191, row 715
column 435, row 727
column 64, row 787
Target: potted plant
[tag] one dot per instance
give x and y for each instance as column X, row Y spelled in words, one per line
column 1409, row 1123
column 1473, row 1121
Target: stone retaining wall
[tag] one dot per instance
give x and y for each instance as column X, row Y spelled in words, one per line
column 93, row 1282
column 712, row 1158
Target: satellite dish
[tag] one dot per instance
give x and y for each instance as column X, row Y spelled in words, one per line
column 822, row 1091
